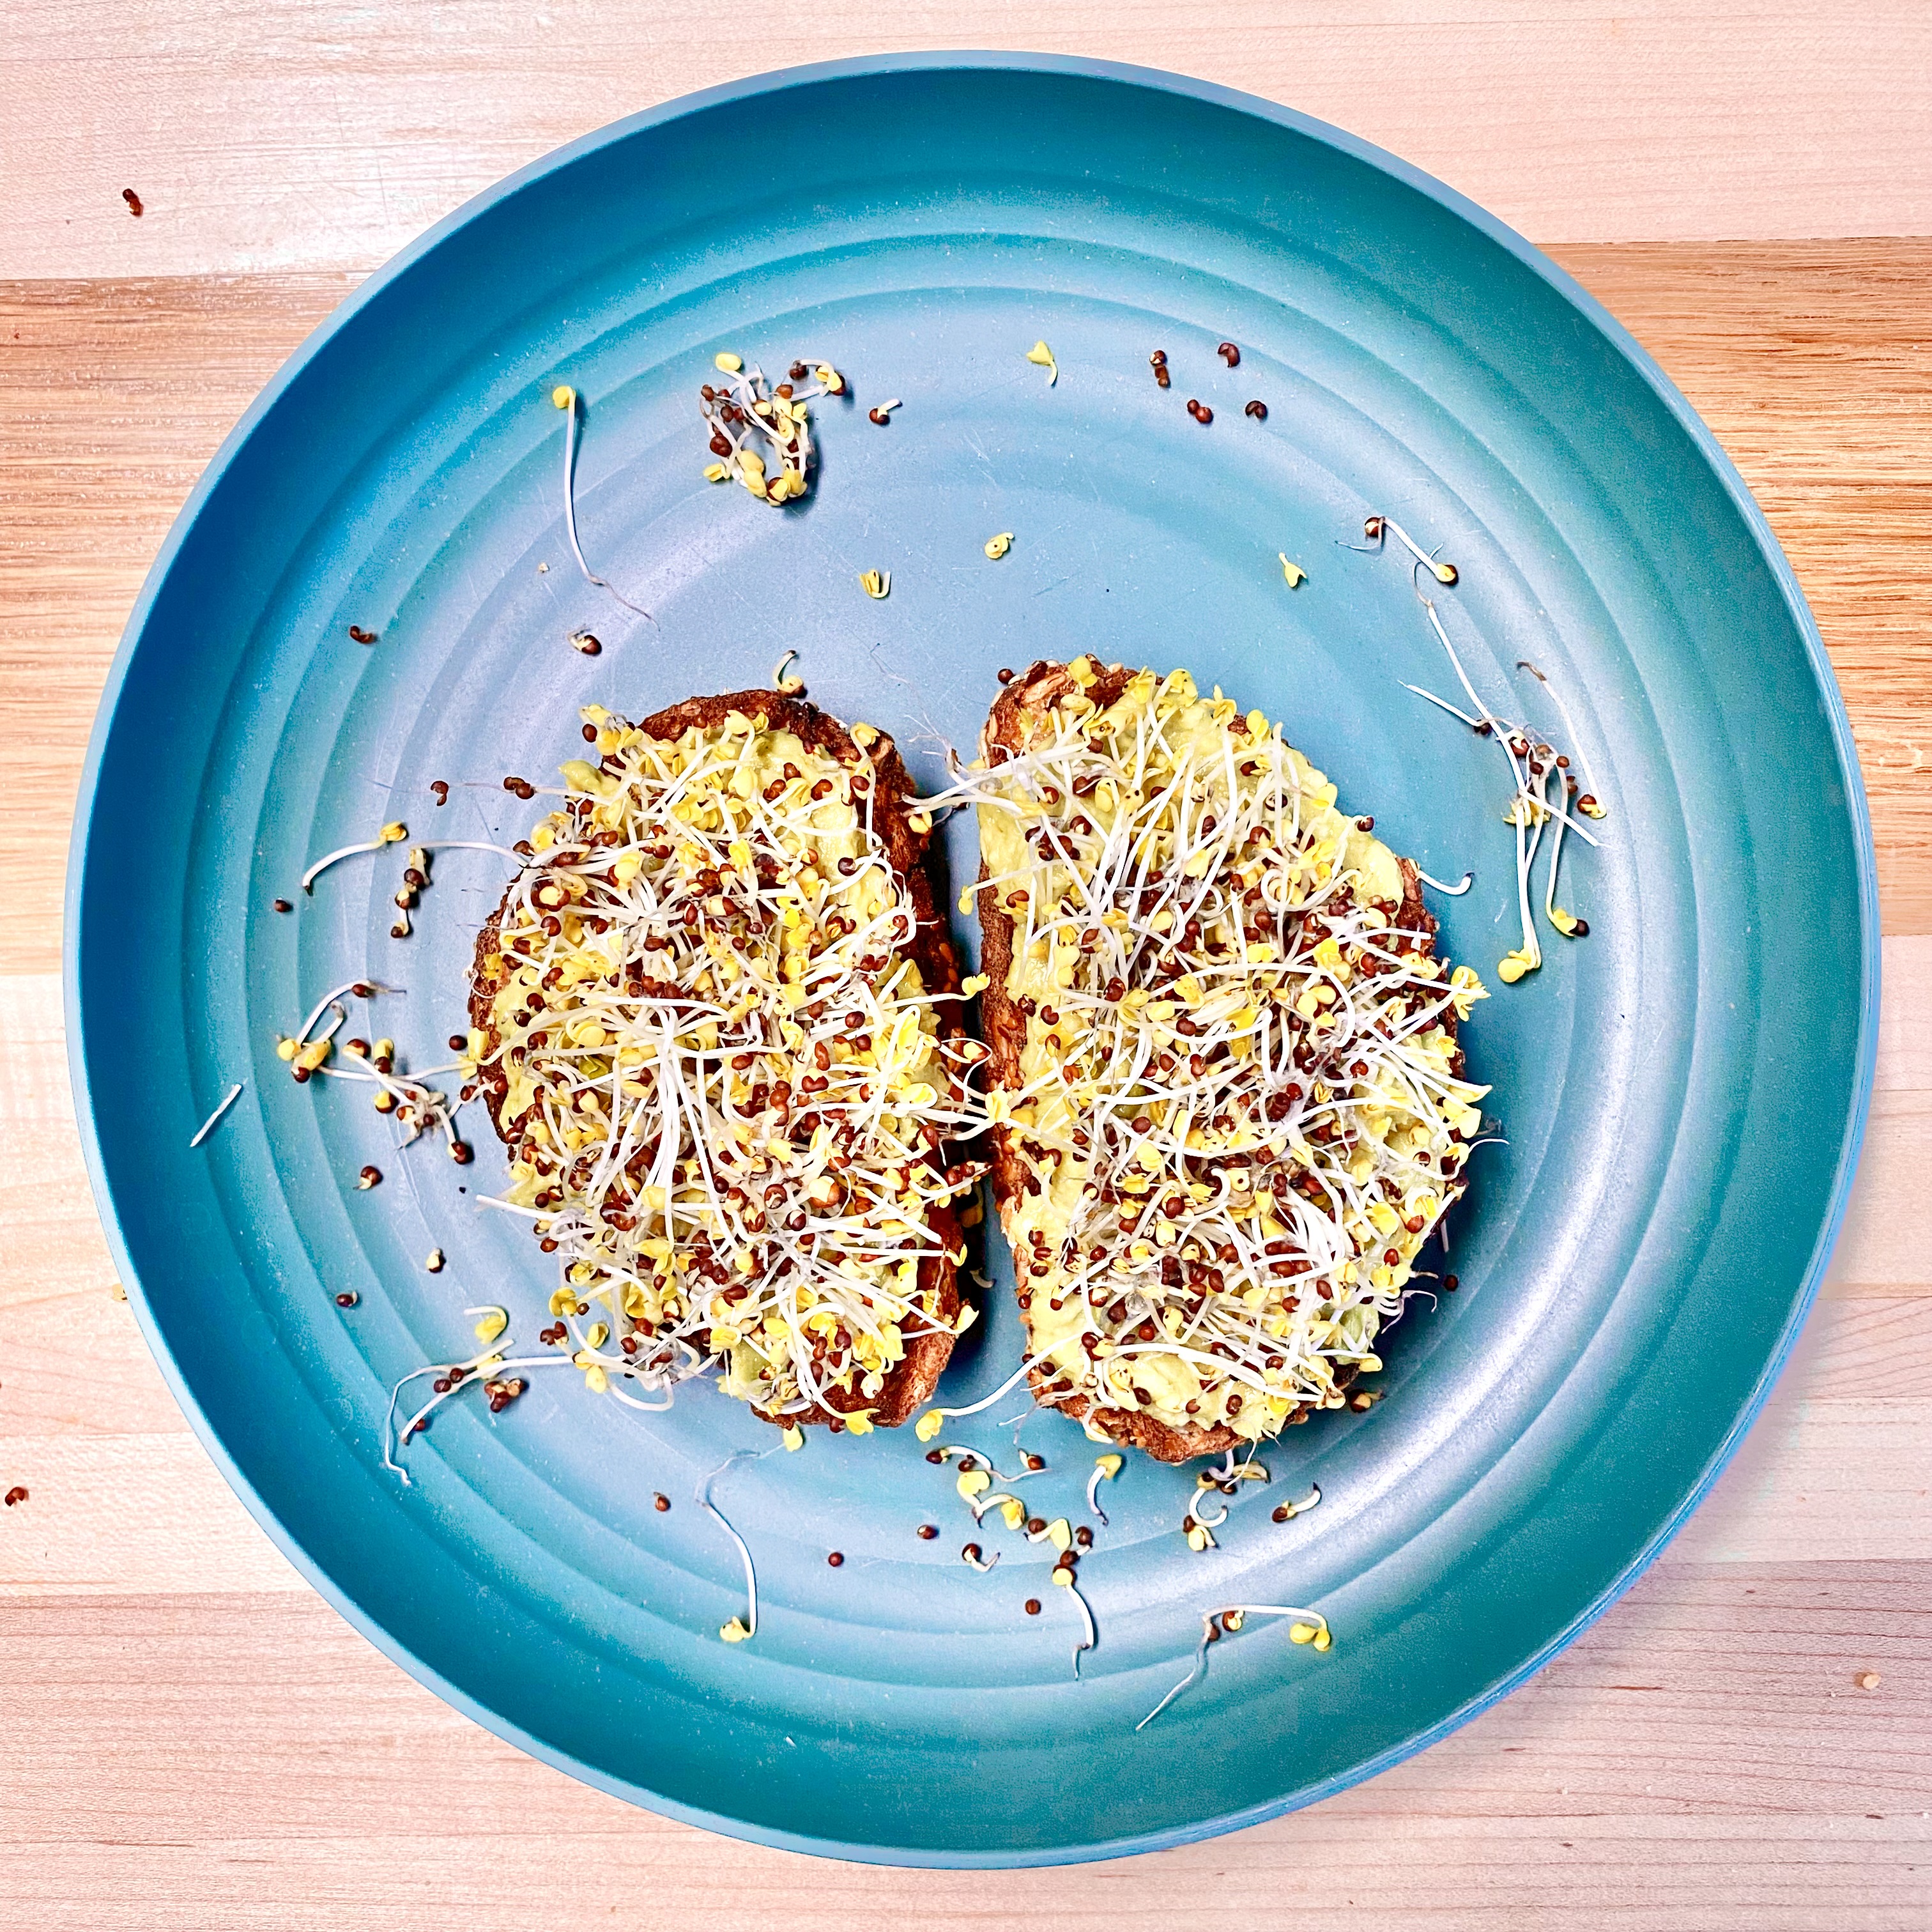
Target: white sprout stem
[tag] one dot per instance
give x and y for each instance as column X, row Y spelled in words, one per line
column 1092, row 1639
column 233, row 1094
column 1314, row 1617
column 1443, row 573
column 1489, row 717
column 744, row 1548
column 1569, row 725
column 1443, row 704
column 948, row 1450
column 1451, row 892
column 570, row 511
column 322, row 865
column 329, row 999
column 1550, row 882
column 1093, row 1482
column 478, row 845
column 511, row 1208
column 390, row 1440
column 1005, row 1388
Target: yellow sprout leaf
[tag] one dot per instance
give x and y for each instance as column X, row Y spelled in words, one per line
column 973, row 1482
column 1041, row 354
column 1466, row 988
column 929, row 1425
column 794, row 1438
column 1293, row 572
column 563, row 395
column 1064, row 1578
column 1059, row 1533
column 734, row 1632
column 876, row 584
column 1108, row 1465
column 715, row 472
column 729, row 363
column 1014, row 1511
column 998, row 547
column 1301, row 1633
column 492, row 1325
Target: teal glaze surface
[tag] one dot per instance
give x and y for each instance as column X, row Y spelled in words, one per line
column 1683, row 1093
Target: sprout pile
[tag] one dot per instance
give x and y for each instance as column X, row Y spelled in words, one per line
column 724, row 1084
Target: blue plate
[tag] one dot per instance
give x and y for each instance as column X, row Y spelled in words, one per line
column 1683, row 1092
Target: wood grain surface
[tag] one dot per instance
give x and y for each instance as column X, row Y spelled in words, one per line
column 275, row 134
column 190, row 1738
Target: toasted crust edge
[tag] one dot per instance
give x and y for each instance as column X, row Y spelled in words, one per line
column 1003, row 1027
column 912, row 1380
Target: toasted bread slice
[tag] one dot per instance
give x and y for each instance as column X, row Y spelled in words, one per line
column 727, row 940
column 1215, row 1192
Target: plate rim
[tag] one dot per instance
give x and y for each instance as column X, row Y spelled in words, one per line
column 1528, row 256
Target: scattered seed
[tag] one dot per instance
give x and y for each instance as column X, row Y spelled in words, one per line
column 837, row 1557
column 16, row 1494
column 360, row 636
column 660, row 1502
column 582, row 640
column 282, row 905
column 1032, row 1606
column 1866, row 1680
column 927, row 1531
column 1229, row 354
column 434, row 1261
column 369, row 1176
column 134, row 207
column 348, row 1298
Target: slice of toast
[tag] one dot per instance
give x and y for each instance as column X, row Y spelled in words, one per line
column 1176, row 1075
column 680, row 1241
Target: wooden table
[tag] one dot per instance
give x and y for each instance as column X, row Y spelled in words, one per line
column 190, row 1738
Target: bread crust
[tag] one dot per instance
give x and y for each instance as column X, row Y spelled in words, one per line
column 1004, row 1029
column 910, row 1382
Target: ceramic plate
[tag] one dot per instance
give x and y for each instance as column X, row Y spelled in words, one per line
column 1682, row 1092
